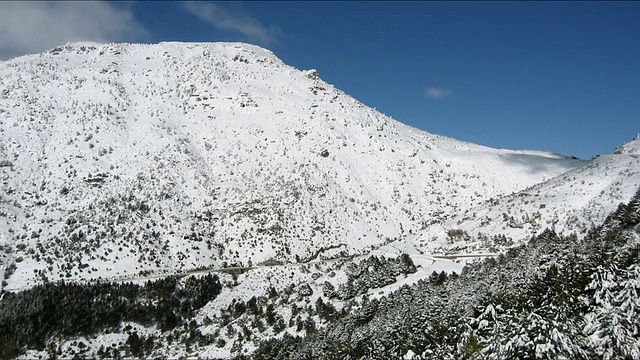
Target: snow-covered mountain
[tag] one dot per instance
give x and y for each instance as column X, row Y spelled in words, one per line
column 571, row 203
column 131, row 162
column 121, row 159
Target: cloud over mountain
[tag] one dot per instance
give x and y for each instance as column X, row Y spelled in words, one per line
column 29, row 27
column 221, row 18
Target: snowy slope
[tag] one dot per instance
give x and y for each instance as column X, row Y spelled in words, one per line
column 571, row 203
column 121, row 159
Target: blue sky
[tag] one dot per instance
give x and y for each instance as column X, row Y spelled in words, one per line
column 556, row 76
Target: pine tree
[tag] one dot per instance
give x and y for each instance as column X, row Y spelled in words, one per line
column 614, row 323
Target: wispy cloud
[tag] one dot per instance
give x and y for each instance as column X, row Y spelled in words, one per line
column 29, row 27
column 222, row 18
column 437, row 93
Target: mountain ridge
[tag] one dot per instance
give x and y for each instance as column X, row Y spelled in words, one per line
column 576, row 200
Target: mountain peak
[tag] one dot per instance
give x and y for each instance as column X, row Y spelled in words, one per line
column 630, row 147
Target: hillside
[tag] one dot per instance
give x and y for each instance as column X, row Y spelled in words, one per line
column 571, row 203
column 128, row 159
column 555, row 297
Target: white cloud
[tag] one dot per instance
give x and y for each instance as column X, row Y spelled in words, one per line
column 437, row 93
column 30, row 27
column 222, row 19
